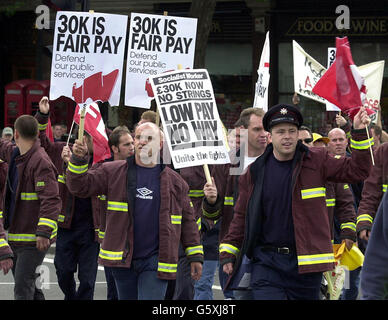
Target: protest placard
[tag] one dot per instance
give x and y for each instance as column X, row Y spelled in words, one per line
column 307, row 72
column 156, row 44
column 373, row 73
column 190, row 118
column 88, row 56
column 261, row 88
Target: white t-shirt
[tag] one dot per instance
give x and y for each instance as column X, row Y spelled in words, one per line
column 248, row 161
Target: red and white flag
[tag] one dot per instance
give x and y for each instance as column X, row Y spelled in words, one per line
column 95, row 126
column 95, row 87
column 342, row 84
column 49, row 131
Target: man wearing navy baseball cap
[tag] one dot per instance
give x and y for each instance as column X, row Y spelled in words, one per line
column 280, row 220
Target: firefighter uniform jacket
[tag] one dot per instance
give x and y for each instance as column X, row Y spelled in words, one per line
column 226, row 179
column 54, row 150
column 195, row 178
column 311, row 169
column 3, row 181
column 374, row 188
column 5, row 249
column 117, row 181
column 37, row 201
column 340, row 203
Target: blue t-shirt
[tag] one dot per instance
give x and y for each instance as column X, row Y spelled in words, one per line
column 277, row 228
column 146, row 214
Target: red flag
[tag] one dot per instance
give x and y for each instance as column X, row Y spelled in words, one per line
column 95, row 126
column 49, row 131
column 96, row 87
column 342, row 84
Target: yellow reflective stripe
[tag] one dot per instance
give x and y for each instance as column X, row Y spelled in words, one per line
column 1, row 214
column 361, row 145
column 54, row 233
column 42, row 126
column 210, row 215
column 3, row 243
column 348, row 135
column 330, row 202
column 62, row 179
column 346, row 186
column 101, row 234
column 102, row 197
column 194, row 250
column 349, row 225
column 313, row 193
column 176, row 219
column 61, row 218
column 315, row 259
column 40, row 184
column 385, row 186
column 224, row 247
column 191, row 204
column 364, row 217
column 199, row 223
column 21, row 237
column 117, row 206
column 29, row 196
column 48, row 222
column 77, row 169
column 167, row 267
column 228, row 201
column 196, row 193
column 110, row 255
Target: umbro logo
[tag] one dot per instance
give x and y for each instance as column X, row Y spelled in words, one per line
column 144, row 193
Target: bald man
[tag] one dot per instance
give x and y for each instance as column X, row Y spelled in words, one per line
column 338, row 142
column 148, row 216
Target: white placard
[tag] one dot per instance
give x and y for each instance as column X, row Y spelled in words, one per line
column 373, row 73
column 261, row 88
column 307, row 72
column 191, row 123
column 156, row 44
column 88, row 56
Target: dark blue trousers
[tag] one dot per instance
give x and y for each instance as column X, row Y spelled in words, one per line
column 76, row 250
column 275, row 277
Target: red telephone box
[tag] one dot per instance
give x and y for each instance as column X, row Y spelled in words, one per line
column 34, row 92
column 15, row 100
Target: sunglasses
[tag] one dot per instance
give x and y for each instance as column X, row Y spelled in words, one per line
column 307, row 140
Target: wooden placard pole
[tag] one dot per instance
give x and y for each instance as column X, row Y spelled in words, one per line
column 81, row 124
column 370, row 146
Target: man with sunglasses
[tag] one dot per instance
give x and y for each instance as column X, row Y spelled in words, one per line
column 306, row 136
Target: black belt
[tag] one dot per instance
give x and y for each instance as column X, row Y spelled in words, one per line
column 281, row 250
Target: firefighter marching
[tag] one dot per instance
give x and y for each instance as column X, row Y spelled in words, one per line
column 176, row 207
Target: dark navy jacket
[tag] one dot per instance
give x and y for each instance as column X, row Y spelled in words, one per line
column 374, row 275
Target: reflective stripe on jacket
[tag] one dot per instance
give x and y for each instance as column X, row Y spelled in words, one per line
column 117, row 181
column 37, row 201
column 312, row 167
column 374, row 188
